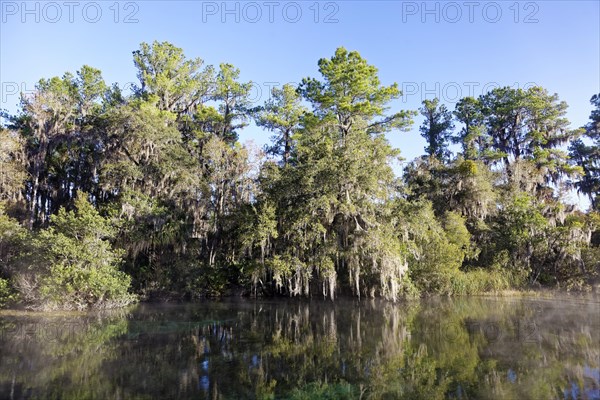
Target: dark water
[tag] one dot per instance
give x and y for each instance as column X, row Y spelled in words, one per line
column 467, row 348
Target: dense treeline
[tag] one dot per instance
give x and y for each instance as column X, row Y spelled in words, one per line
column 105, row 194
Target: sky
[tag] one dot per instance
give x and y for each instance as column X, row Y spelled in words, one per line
column 441, row 49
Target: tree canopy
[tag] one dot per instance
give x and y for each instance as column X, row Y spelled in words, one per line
column 104, row 195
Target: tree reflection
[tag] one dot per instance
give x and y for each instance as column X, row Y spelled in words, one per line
column 447, row 348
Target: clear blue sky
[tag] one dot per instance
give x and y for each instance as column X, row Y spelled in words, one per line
column 443, row 49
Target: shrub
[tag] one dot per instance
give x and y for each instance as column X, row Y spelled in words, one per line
column 14, row 240
column 81, row 269
column 440, row 248
column 6, row 292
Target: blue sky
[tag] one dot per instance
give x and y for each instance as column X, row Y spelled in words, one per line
column 444, row 49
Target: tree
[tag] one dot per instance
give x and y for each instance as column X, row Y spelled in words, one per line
column 233, row 99
column 58, row 123
column 436, row 129
column 144, row 152
column 282, row 114
column 528, row 125
column 12, row 165
column 14, row 241
column 329, row 225
column 46, row 116
column 153, row 184
column 196, row 213
column 475, row 141
column 353, row 96
column 587, row 156
column 179, row 84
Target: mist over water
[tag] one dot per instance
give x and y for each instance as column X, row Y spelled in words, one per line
column 484, row 348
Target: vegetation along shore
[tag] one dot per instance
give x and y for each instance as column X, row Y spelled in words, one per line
column 109, row 197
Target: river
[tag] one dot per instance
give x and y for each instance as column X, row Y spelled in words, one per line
column 464, row 348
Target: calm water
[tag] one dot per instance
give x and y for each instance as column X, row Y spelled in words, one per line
column 467, row 348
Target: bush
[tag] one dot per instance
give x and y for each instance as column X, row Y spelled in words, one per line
column 14, row 240
column 6, row 292
column 407, row 289
column 81, row 269
column 440, row 251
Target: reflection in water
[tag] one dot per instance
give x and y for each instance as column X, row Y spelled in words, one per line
column 461, row 348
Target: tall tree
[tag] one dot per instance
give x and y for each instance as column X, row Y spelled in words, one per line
column 56, row 120
column 197, row 213
column 437, row 128
column 282, row 114
column 528, row 125
column 476, row 143
column 586, row 154
column 234, row 101
column 12, row 165
column 179, row 84
column 331, row 224
column 351, row 93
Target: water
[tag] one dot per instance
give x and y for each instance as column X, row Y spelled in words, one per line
column 465, row 348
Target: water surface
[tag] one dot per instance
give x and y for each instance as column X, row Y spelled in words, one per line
column 464, row 348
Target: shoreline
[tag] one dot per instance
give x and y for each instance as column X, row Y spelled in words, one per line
column 592, row 296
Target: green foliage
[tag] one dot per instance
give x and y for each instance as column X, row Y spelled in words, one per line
column 528, row 125
column 351, row 88
column 457, row 233
column 462, row 186
column 437, row 248
column 324, row 391
column 7, row 293
column 282, row 114
column 12, row 165
column 586, row 155
column 319, row 210
column 82, row 267
column 164, row 72
column 480, row 281
column 234, row 103
column 13, row 241
column 474, row 142
column 413, row 376
column 437, row 128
